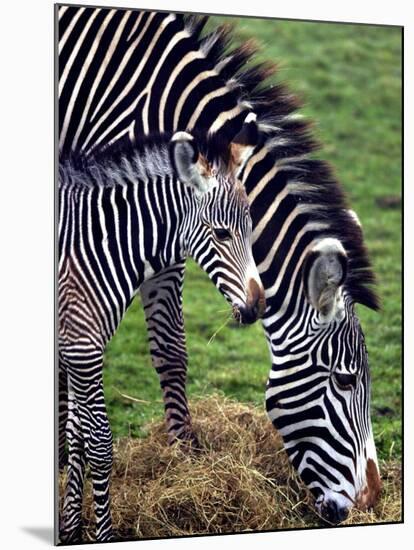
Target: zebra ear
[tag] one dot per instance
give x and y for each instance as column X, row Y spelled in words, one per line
column 190, row 166
column 244, row 142
column 324, row 272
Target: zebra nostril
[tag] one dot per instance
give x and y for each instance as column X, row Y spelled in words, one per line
column 248, row 314
column 333, row 513
column 343, row 513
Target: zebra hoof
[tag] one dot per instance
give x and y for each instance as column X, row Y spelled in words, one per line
column 63, row 460
column 70, row 536
column 187, row 441
column 108, row 536
column 192, row 444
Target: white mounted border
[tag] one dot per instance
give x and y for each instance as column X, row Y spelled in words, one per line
column 27, row 274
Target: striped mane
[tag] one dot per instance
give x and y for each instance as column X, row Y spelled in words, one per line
column 149, row 157
column 285, row 134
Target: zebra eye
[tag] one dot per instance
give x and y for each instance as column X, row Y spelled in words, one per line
column 222, row 234
column 345, row 381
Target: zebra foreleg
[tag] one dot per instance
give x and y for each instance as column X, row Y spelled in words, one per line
column 95, row 432
column 62, row 415
column 162, row 301
column 71, row 519
column 98, row 447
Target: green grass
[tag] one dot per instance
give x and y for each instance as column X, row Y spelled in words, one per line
column 350, row 77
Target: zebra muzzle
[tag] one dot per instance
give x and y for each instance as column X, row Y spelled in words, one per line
column 333, row 513
column 255, row 304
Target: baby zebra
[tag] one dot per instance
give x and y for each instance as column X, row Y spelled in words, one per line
column 126, row 214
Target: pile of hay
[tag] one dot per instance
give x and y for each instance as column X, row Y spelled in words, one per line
column 240, row 482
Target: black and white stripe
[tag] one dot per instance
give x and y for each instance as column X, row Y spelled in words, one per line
column 296, row 205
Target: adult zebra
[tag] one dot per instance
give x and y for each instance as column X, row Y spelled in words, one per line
column 125, row 215
column 308, row 245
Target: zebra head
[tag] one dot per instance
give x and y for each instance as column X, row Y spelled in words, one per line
column 318, row 394
column 218, row 228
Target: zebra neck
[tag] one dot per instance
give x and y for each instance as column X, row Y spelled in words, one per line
column 300, row 338
column 292, row 329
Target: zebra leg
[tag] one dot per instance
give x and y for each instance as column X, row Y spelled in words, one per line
column 98, row 448
column 162, row 300
column 71, row 519
column 85, row 380
column 62, row 415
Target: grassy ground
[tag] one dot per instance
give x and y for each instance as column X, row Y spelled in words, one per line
column 241, row 481
column 350, row 77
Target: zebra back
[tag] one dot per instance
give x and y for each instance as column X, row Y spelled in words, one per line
column 115, row 76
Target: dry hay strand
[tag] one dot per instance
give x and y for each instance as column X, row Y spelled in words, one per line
column 240, row 481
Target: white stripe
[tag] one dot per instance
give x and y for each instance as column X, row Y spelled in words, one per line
column 226, row 116
column 129, row 236
column 62, row 10
column 153, row 221
column 186, row 60
column 137, row 22
column 69, row 29
column 118, row 242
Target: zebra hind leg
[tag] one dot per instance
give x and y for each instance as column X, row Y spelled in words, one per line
column 162, row 300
